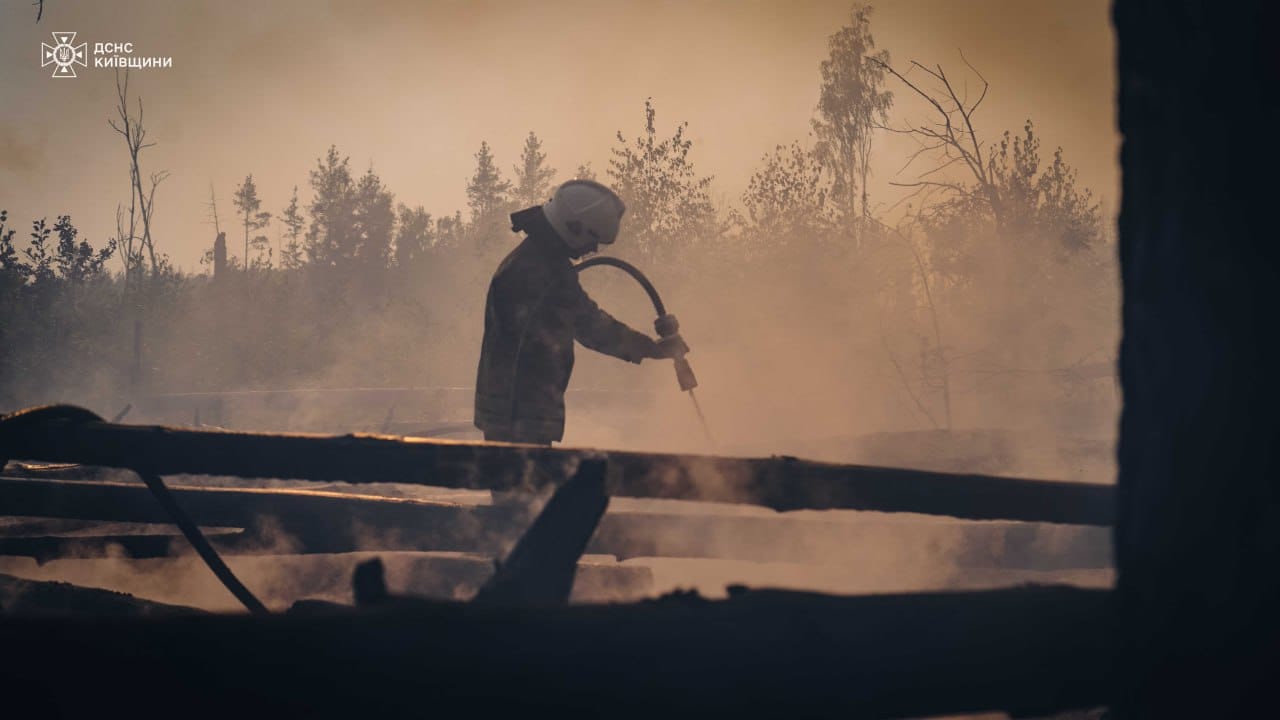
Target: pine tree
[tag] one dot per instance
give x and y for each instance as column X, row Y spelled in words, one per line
column 488, row 197
column 415, row 234
column 331, row 235
column 532, row 175
column 449, row 231
column 374, row 221
column 247, row 202
column 291, row 255
column 486, row 191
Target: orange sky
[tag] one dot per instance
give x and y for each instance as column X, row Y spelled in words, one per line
column 413, row 87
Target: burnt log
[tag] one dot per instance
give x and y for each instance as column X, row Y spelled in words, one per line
column 780, row 483
column 332, row 522
column 323, row 522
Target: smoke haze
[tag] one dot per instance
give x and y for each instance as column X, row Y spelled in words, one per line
column 412, row 88
column 798, row 356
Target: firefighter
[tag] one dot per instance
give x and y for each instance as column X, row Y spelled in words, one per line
column 536, row 309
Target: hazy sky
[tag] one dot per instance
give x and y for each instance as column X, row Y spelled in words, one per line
column 413, row 86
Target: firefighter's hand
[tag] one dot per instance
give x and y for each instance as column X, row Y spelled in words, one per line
column 671, row 347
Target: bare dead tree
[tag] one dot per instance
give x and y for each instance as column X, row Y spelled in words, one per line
column 950, row 139
column 937, row 356
column 949, row 136
column 126, row 239
column 153, row 181
column 906, row 383
column 212, row 207
column 939, row 353
column 142, row 202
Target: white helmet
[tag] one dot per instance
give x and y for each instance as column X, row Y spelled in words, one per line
column 584, row 212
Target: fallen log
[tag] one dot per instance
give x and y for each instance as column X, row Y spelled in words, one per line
column 333, row 522
column 1024, row 651
column 781, row 483
column 323, row 522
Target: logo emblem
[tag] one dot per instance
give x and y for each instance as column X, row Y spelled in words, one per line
column 64, row 55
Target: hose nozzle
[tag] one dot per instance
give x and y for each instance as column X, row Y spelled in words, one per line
column 684, row 375
column 668, row 326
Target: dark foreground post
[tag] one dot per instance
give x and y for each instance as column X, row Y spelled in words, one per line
column 1198, row 528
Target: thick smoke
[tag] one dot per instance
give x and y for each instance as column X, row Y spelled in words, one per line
column 803, row 345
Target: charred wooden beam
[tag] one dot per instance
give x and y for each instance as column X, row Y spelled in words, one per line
column 540, row 568
column 320, row 522
column 781, row 483
column 771, row 653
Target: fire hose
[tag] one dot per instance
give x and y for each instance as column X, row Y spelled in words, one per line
column 666, row 326
column 23, row 419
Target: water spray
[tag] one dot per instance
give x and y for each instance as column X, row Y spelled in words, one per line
column 666, row 325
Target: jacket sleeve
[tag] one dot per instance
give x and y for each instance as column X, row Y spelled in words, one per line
column 600, row 331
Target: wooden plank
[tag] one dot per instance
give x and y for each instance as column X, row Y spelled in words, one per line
column 780, row 483
column 320, row 521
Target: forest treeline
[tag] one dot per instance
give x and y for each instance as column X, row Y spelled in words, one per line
column 995, row 267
